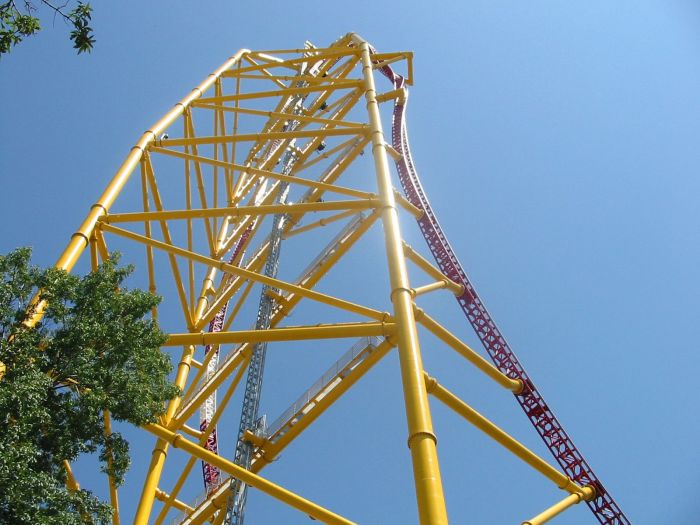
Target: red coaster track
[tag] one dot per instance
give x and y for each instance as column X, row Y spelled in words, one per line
column 540, row 415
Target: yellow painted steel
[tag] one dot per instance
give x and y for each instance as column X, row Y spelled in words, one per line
column 427, row 288
column 323, row 298
column 267, row 173
column 113, row 495
column 160, row 451
column 421, row 439
column 71, row 482
column 150, row 177
column 227, row 368
column 191, row 404
column 80, row 238
column 255, row 137
column 501, row 437
column 276, row 283
column 201, row 439
column 269, row 451
column 282, row 92
column 515, row 385
column 253, row 480
column 228, row 194
column 431, row 270
column 299, row 333
column 558, row 508
column 321, row 222
column 241, row 211
column 165, row 497
column 276, row 114
column 403, row 201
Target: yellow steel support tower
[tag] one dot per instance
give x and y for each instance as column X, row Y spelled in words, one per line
column 195, row 194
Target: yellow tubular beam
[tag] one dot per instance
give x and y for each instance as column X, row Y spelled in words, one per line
column 160, row 451
column 147, row 231
column 392, row 95
column 239, row 304
column 298, row 333
column 94, row 260
column 228, row 365
column 266, row 173
column 327, row 154
column 420, row 290
column 197, row 434
column 280, row 115
column 413, row 210
column 217, row 500
column 189, row 406
column 163, row 496
column 558, row 508
column 71, row 482
column 102, row 250
column 235, row 270
column 113, row 495
column 501, row 437
column 182, row 295
column 201, row 440
column 421, row 439
column 338, row 84
column 266, row 74
column 198, row 376
column 253, row 480
column 300, row 78
column 219, row 520
column 188, row 204
column 428, row 268
column 321, row 222
column 79, row 240
column 514, row 385
column 272, row 450
column 205, row 308
column 297, row 51
column 241, row 211
column 199, row 178
column 292, row 64
column 255, row 137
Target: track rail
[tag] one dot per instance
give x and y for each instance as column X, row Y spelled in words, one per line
column 536, row 409
column 211, row 474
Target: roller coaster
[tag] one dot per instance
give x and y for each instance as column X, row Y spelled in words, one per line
column 253, row 160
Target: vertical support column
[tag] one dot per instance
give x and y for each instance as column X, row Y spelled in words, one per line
column 160, row 451
column 421, row 439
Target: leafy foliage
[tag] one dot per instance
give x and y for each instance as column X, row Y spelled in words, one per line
column 16, row 23
column 92, row 351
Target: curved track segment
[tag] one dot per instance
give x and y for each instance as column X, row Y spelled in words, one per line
column 540, row 415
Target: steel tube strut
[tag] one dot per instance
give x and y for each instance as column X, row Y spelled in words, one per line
column 558, row 508
column 302, row 504
column 421, row 440
column 542, row 418
column 501, row 437
column 79, row 241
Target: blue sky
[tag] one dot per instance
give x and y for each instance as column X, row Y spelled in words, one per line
column 557, row 143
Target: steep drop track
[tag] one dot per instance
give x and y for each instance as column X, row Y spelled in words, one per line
column 542, row 418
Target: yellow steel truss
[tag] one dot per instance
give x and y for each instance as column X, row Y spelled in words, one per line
column 226, row 197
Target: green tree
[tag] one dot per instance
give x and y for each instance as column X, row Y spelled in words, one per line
column 19, row 20
column 93, row 350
